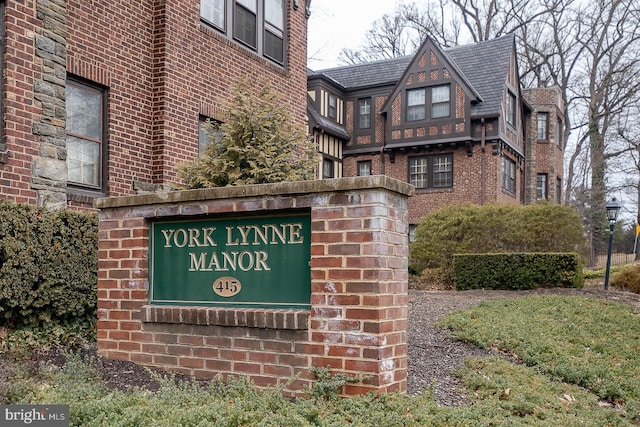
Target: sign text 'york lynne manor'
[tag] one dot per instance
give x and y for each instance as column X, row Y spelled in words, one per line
column 240, row 237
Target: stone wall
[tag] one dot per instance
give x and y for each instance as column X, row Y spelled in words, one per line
column 359, row 288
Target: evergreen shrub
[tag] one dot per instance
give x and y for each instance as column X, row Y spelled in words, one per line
column 257, row 144
column 517, row 271
column 48, row 266
column 494, row 228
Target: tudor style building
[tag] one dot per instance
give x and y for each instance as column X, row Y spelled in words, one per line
column 454, row 123
column 103, row 98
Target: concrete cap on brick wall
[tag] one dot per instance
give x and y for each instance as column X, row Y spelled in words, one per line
column 278, row 189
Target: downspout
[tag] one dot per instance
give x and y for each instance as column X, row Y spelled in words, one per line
column 384, row 137
column 483, row 167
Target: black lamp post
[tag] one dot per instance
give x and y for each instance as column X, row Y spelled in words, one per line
column 613, row 207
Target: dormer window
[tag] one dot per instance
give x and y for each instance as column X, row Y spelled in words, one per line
column 333, row 106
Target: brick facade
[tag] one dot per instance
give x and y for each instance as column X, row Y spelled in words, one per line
column 545, row 157
column 488, row 120
column 359, row 288
column 160, row 67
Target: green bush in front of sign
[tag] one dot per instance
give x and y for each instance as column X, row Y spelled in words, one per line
column 256, row 145
column 48, row 266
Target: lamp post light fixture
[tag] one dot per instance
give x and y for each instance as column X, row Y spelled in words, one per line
column 613, row 208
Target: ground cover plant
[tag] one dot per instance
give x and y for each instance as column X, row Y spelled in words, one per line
column 566, row 343
column 587, row 342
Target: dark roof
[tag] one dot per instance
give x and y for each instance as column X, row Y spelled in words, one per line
column 484, row 66
column 325, row 124
column 377, row 73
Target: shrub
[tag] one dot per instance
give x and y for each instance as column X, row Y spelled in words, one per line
column 494, row 228
column 48, row 266
column 627, row 278
column 258, row 145
column 516, row 271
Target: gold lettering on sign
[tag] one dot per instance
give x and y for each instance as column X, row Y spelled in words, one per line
column 229, row 261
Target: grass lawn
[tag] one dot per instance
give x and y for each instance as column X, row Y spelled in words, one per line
column 571, row 362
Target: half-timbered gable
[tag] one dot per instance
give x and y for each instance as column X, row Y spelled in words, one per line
column 326, row 116
column 431, row 103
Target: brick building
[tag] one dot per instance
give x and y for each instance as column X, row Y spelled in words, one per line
column 102, row 98
column 454, row 123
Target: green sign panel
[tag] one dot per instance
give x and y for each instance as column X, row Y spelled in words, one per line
column 239, row 262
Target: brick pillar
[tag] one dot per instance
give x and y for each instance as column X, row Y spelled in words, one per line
column 359, row 288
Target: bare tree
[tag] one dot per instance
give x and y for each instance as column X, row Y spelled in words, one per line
column 389, row 37
column 608, row 86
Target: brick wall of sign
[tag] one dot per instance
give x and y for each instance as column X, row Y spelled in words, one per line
column 358, row 316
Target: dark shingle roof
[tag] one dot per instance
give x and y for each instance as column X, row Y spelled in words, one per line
column 377, row 73
column 484, row 65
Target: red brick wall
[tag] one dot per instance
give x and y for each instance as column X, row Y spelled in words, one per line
column 359, row 288
column 467, row 179
column 19, row 109
column 161, row 68
column 544, row 156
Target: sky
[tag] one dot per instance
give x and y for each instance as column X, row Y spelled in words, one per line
column 336, row 24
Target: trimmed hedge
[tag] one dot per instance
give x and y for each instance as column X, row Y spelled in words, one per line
column 493, row 228
column 516, row 271
column 48, row 266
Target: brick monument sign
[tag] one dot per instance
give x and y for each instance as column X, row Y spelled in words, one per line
column 261, row 281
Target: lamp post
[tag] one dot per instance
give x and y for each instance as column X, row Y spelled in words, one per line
column 613, row 207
